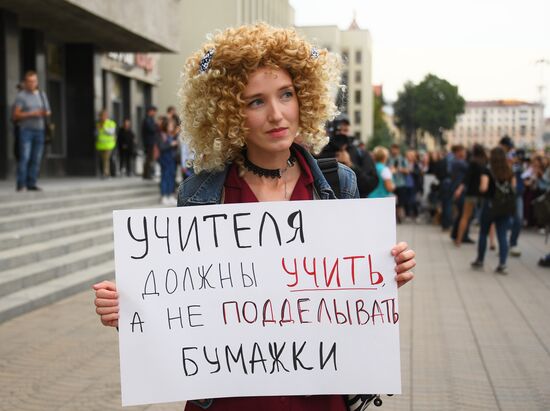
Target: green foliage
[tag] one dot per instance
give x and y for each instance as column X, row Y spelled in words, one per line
column 433, row 106
column 382, row 136
column 404, row 110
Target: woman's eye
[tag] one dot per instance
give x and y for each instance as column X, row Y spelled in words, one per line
column 287, row 95
column 255, row 103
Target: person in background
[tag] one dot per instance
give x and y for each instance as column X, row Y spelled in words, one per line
column 352, row 156
column 149, row 135
column 30, row 110
column 414, row 184
column 126, row 144
column 517, row 220
column 168, row 147
column 470, row 188
column 498, row 177
column 173, row 116
column 459, row 167
column 385, row 186
column 105, row 141
column 399, row 169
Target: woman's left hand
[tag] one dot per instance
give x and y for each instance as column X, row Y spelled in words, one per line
column 405, row 262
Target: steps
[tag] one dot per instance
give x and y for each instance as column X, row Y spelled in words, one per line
column 58, row 242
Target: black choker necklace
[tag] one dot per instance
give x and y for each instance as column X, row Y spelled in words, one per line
column 266, row 172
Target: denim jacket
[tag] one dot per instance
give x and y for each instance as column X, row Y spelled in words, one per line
column 207, row 187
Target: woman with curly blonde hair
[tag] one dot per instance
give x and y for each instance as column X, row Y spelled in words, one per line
column 254, row 102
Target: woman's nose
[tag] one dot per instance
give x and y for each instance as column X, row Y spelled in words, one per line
column 275, row 113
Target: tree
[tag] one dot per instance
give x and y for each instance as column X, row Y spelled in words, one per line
column 438, row 106
column 381, row 136
column 404, row 110
column 432, row 106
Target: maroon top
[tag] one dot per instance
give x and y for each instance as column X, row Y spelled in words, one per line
column 238, row 191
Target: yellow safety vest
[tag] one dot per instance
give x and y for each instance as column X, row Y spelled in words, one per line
column 106, row 138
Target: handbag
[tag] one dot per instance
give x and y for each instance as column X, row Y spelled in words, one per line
column 360, row 402
column 49, row 129
column 541, row 209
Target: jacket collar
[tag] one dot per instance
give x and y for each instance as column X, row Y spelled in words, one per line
column 207, row 187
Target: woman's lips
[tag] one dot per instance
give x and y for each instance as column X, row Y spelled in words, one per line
column 278, row 132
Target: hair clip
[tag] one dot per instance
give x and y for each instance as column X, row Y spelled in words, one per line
column 314, row 53
column 205, row 61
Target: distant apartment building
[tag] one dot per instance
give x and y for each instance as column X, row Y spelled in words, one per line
column 197, row 19
column 355, row 47
column 486, row 122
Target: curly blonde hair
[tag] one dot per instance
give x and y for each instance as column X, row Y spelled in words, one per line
column 211, row 104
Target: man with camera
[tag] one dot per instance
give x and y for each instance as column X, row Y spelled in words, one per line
column 341, row 147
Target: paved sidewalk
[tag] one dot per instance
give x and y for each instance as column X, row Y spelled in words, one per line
column 469, row 340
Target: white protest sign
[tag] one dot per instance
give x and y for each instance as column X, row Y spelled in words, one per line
column 275, row 298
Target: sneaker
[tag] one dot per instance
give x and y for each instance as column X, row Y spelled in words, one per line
column 501, row 269
column 515, row 251
column 21, row 189
column 544, row 262
column 34, row 188
column 476, row 264
column 468, row 241
column 173, row 200
column 165, row 200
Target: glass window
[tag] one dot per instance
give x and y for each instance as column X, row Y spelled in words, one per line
column 357, row 96
column 358, row 56
column 358, row 76
column 345, row 56
column 357, row 117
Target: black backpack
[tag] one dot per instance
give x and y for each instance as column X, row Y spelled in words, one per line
column 329, row 168
column 503, row 203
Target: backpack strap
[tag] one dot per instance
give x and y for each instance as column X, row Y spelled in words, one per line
column 329, row 168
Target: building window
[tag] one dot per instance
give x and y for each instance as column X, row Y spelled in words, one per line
column 357, row 117
column 345, row 56
column 345, row 79
column 358, row 57
column 358, row 76
column 357, row 96
column 522, row 130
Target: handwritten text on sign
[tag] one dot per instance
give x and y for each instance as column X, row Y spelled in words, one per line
column 283, row 298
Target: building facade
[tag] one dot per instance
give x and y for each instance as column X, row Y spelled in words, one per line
column 485, row 122
column 200, row 18
column 88, row 55
column 355, row 47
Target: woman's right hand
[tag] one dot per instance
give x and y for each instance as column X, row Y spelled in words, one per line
column 106, row 302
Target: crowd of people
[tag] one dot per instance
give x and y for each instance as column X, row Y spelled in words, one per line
column 161, row 145
column 494, row 189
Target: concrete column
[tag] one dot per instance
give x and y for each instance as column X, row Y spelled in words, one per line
column 83, row 100
column 9, row 77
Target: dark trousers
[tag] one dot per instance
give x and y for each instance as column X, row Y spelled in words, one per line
column 149, row 162
column 502, row 225
column 459, row 207
column 446, row 196
column 125, row 161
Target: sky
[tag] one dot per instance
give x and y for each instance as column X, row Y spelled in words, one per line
column 488, row 48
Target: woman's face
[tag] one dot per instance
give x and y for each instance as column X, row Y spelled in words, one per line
column 272, row 111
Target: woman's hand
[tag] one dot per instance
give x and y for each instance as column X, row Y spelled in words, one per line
column 404, row 258
column 106, row 302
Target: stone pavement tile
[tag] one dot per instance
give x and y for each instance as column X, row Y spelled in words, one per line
column 517, row 363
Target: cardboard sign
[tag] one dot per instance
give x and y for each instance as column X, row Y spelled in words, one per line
column 275, row 298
